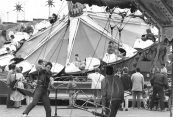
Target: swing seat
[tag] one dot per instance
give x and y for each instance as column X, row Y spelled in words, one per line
column 72, row 69
column 110, row 58
column 5, row 60
column 92, row 63
column 26, row 66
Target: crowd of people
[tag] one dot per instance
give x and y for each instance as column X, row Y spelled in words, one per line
column 42, row 84
column 116, row 86
column 153, row 96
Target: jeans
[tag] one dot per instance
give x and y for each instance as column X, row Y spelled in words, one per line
column 138, row 95
column 157, row 89
column 126, row 102
column 40, row 93
column 97, row 93
column 114, row 106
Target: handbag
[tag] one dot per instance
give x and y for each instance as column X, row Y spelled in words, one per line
column 13, row 84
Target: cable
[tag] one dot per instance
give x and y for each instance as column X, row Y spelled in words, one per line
column 47, row 41
column 63, row 8
column 51, row 28
column 44, row 45
column 98, row 43
column 60, row 7
column 60, row 45
column 47, row 38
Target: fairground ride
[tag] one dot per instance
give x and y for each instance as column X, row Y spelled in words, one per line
column 158, row 12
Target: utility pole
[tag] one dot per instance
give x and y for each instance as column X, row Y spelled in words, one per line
column 171, row 105
column 24, row 8
column 7, row 16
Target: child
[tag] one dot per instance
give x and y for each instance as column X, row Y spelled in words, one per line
column 168, row 93
column 145, row 96
column 71, row 85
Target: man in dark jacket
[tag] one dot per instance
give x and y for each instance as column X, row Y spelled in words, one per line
column 44, row 80
column 127, row 84
column 112, row 93
column 159, row 82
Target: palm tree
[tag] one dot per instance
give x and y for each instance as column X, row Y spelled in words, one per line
column 18, row 8
column 50, row 3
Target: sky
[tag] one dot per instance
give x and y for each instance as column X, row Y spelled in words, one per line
column 36, row 9
column 32, row 8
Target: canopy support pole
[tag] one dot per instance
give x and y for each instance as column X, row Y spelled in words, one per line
column 171, row 105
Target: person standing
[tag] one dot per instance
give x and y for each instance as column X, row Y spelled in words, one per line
column 137, row 87
column 71, row 85
column 44, row 80
column 145, row 95
column 96, row 82
column 112, row 93
column 153, row 69
column 127, row 84
column 16, row 96
column 159, row 82
column 12, row 68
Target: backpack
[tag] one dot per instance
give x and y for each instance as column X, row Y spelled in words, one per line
column 13, row 83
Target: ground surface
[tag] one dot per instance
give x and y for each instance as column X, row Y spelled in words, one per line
column 38, row 111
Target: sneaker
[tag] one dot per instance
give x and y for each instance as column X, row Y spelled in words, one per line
column 70, row 106
column 24, row 115
column 121, row 109
column 126, row 109
column 159, row 109
column 132, row 108
column 164, row 110
column 146, row 107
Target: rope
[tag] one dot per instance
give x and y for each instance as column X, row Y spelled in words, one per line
column 51, row 29
column 60, row 45
column 98, row 43
column 63, row 8
column 60, row 7
column 47, row 39
column 44, row 45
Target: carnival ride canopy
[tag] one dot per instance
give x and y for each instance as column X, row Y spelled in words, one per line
column 87, row 35
column 132, row 28
column 13, row 44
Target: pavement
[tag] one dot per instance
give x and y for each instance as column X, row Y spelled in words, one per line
column 39, row 111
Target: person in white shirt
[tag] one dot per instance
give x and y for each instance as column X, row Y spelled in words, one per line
column 96, row 82
column 163, row 69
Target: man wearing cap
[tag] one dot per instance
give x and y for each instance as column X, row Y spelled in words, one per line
column 112, row 92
